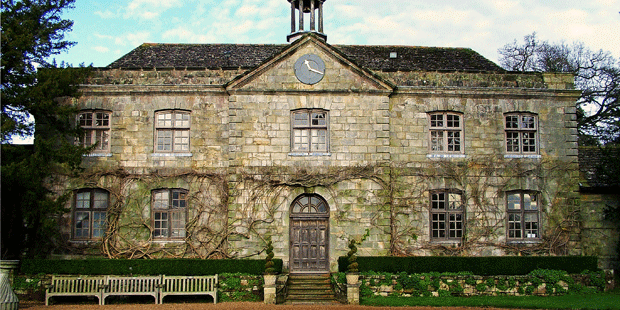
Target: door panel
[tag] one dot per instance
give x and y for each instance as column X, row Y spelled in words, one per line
column 309, row 244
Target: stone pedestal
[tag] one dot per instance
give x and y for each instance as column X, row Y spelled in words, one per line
column 8, row 299
column 353, row 289
column 269, row 291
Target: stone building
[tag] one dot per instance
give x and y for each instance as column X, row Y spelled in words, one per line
column 208, row 150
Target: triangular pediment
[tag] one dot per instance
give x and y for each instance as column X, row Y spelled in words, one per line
column 337, row 74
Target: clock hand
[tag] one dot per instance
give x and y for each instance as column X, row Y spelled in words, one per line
column 310, row 68
column 317, row 71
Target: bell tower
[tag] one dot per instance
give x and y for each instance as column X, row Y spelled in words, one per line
column 300, row 8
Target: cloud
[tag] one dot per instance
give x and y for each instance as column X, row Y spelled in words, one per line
column 150, row 9
column 133, row 39
column 101, row 49
column 107, row 14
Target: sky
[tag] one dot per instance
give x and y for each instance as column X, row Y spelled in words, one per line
column 105, row 30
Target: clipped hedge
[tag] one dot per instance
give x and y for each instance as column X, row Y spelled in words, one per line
column 483, row 266
column 172, row 267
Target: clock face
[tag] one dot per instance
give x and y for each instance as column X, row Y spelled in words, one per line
column 309, row 69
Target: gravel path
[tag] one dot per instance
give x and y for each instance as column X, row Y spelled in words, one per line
column 225, row 306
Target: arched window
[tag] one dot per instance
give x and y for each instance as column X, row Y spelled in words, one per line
column 89, row 213
column 309, row 204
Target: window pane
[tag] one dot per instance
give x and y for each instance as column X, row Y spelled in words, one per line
column 102, row 139
column 86, row 119
column 181, row 120
column 82, row 224
column 512, row 121
column 454, row 141
column 514, row 201
column 529, row 142
column 164, row 140
column 161, row 200
column 99, row 224
column 301, row 140
column 319, row 140
column 436, row 140
column 528, row 122
column 102, row 119
column 179, row 199
column 82, row 200
column 177, row 225
column 181, row 140
column 318, row 119
column 531, row 225
column 160, row 225
column 438, row 201
column 164, row 120
column 301, row 119
column 456, row 225
column 437, row 120
column 453, row 121
column 454, row 201
column 101, row 199
column 512, row 142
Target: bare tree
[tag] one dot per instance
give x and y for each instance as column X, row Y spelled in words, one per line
column 597, row 75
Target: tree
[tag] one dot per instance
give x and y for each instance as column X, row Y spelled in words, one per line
column 597, row 75
column 32, row 32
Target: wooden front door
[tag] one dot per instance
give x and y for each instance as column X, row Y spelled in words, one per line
column 309, row 235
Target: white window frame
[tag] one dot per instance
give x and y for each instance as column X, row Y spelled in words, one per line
column 521, row 133
column 96, row 125
column 445, row 134
column 310, row 131
column 172, row 131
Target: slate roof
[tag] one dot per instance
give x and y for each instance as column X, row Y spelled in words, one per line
column 595, row 163
column 247, row 56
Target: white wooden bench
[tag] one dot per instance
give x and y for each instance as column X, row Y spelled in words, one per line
column 75, row 286
column 188, row 285
column 126, row 286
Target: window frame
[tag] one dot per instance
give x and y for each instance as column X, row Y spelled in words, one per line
column 447, row 213
column 95, row 132
column 445, row 130
column 170, row 211
column 91, row 210
column 311, row 128
column 177, row 131
column 522, row 212
column 522, row 133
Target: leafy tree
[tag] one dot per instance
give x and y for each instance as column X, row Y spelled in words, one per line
column 597, row 75
column 33, row 31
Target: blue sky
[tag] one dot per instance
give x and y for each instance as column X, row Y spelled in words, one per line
column 106, row 30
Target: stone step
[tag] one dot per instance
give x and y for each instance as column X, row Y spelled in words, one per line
column 310, row 290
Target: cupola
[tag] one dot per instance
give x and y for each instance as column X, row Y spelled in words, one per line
column 299, row 10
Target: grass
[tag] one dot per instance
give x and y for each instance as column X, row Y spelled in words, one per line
column 585, row 301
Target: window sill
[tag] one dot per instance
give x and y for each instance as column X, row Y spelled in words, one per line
column 171, row 154
column 84, row 241
column 163, row 241
column 446, row 156
column 309, row 154
column 522, row 156
column 530, row 241
column 446, row 242
column 98, row 155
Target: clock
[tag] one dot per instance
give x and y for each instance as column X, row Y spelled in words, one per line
column 309, row 69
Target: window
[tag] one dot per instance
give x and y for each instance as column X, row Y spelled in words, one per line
column 447, row 222
column 446, row 132
column 172, row 131
column 521, row 133
column 310, row 131
column 89, row 215
column 522, row 209
column 96, row 126
column 169, row 213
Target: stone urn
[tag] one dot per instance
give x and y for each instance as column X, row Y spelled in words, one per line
column 8, row 299
column 270, row 279
column 352, row 277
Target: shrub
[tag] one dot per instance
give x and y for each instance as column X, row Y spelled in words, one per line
column 173, row 267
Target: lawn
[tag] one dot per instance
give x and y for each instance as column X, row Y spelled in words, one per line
column 586, row 301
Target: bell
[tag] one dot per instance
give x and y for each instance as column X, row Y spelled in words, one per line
column 307, row 6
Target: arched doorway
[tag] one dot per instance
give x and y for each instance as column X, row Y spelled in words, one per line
column 309, row 235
